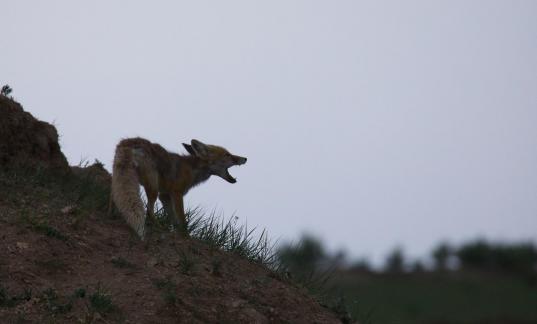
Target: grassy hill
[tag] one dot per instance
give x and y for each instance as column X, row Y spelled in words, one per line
column 63, row 259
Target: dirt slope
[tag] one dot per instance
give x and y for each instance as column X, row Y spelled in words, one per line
column 25, row 140
column 64, row 260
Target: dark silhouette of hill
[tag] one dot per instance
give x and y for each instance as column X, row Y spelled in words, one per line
column 64, row 260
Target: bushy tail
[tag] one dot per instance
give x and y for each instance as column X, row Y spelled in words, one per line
column 126, row 190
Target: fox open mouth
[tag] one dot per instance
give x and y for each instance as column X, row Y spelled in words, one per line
column 228, row 177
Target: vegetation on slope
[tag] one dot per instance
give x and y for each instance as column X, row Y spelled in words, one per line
column 63, row 259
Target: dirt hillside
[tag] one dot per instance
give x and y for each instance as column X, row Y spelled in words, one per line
column 25, row 140
column 64, row 260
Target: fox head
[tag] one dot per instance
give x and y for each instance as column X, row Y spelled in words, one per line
column 217, row 158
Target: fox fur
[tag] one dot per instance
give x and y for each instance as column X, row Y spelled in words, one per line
column 164, row 175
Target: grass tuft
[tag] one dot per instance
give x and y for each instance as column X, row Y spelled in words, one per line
column 228, row 235
column 80, row 293
column 11, row 301
column 53, row 304
column 101, row 301
column 42, row 226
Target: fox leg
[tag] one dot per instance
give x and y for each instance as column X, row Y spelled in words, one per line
column 148, row 178
column 166, row 201
column 151, row 198
column 180, row 218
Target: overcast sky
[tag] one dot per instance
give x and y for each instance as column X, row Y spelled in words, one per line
column 368, row 123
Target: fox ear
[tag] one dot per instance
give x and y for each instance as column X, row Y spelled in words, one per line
column 199, row 148
column 189, row 149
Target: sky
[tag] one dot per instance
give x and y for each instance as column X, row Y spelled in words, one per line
column 371, row 124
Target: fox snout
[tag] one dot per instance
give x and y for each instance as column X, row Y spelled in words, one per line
column 239, row 160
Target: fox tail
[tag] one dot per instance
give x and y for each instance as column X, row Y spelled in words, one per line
column 126, row 189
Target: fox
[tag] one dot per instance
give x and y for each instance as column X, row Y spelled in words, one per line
column 163, row 175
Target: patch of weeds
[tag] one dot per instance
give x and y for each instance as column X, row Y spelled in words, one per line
column 315, row 281
column 98, row 302
column 85, row 188
column 41, row 227
column 231, row 236
column 101, row 301
column 6, row 90
column 49, row 231
column 11, row 301
column 91, row 194
column 167, row 286
column 80, row 293
column 4, row 299
column 121, row 263
column 186, row 263
column 53, row 302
